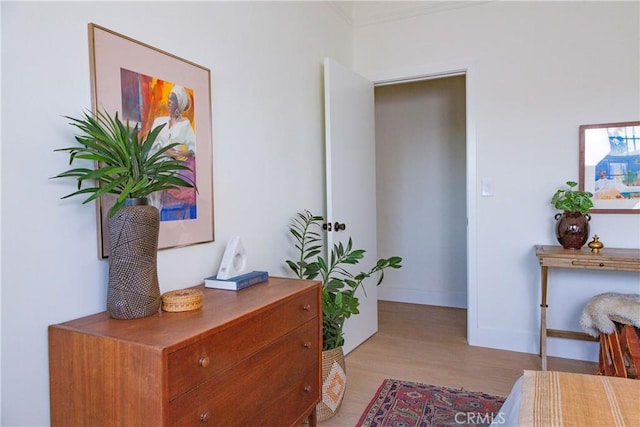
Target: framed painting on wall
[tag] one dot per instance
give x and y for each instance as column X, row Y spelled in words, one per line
column 150, row 87
column 610, row 166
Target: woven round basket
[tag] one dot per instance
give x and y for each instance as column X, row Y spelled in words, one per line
column 182, row 300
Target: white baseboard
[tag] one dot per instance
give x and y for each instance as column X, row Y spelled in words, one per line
column 524, row 342
column 416, row 296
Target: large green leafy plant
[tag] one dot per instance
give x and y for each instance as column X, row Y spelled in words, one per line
column 339, row 285
column 125, row 164
column 570, row 200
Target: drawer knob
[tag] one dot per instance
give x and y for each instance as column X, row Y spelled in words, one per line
column 307, row 388
column 307, row 344
column 602, row 264
column 307, row 307
column 204, row 361
column 204, row 417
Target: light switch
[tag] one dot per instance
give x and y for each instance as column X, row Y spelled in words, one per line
column 486, row 187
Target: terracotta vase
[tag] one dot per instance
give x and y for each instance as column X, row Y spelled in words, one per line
column 572, row 229
column 133, row 289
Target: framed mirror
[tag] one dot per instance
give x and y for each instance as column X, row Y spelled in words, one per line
column 610, row 166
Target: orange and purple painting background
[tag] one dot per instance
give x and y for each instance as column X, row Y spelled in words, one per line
column 144, row 98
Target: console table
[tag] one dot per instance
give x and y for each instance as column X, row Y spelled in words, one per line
column 557, row 257
column 249, row 357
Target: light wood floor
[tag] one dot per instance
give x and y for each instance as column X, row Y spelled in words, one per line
column 428, row 344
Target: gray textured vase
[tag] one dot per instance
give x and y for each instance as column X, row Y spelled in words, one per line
column 133, row 290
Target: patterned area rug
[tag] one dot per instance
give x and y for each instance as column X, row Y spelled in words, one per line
column 408, row 404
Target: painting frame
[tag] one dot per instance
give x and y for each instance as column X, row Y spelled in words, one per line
column 111, row 55
column 608, row 169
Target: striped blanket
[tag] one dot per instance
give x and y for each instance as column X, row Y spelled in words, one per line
column 563, row 399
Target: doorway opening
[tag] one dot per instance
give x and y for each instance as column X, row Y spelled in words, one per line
column 422, row 188
column 350, row 129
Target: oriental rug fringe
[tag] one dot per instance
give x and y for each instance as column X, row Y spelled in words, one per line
column 411, row 404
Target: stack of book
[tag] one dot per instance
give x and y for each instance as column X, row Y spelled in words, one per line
column 236, row 283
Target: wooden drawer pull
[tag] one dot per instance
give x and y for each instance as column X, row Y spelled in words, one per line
column 204, row 361
column 204, row 417
column 307, row 388
column 307, row 344
column 307, row 307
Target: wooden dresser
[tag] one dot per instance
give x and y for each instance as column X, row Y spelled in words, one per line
column 246, row 358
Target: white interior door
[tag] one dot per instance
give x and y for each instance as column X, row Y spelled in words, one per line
column 351, row 182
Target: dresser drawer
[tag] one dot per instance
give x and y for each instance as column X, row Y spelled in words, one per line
column 280, row 382
column 218, row 352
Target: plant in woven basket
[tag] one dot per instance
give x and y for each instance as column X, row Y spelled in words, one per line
column 339, row 285
column 125, row 164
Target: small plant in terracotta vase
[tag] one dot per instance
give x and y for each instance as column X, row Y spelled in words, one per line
column 572, row 225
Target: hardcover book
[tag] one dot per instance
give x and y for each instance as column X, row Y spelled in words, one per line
column 236, row 283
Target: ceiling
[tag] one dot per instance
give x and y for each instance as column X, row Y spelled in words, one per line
column 361, row 13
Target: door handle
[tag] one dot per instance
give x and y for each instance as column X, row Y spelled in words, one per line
column 336, row 226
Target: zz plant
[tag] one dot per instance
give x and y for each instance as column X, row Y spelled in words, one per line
column 339, row 285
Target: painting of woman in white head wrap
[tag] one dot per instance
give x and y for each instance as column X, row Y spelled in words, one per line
column 153, row 102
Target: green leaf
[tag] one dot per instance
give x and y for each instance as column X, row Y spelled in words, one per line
column 570, row 200
column 339, row 285
column 124, row 164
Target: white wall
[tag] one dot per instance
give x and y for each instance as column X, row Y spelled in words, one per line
column 266, row 68
column 537, row 70
column 421, row 186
